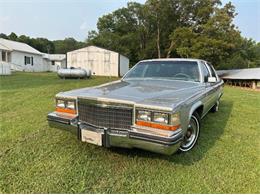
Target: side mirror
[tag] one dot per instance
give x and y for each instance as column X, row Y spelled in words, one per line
column 212, row 79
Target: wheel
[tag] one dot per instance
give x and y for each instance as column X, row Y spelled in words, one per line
column 192, row 134
column 215, row 107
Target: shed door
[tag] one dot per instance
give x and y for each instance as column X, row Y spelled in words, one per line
column 107, row 63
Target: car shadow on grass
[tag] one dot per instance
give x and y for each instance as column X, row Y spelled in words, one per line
column 212, row 127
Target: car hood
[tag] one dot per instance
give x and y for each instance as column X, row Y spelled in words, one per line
column 163, row 93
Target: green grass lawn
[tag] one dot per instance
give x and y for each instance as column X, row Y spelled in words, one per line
column 37, row 159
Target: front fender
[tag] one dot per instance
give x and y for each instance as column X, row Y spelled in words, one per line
column 194, row 107
column 186, row 113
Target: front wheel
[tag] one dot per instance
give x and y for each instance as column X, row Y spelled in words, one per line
column 192, row 134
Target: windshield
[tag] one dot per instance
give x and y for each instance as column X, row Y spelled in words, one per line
column 175, row 70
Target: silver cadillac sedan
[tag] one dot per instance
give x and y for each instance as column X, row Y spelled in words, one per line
column 157, row 106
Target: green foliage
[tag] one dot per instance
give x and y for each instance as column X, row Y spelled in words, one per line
column 246, row 55
column 66, row 45
column 45, row 45
column 212, row 40
column 176, row 28
column 122, row 31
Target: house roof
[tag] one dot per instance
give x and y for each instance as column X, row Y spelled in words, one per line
column 55, row 57
column 2, row 47
column 240, row 74
column 17, row 46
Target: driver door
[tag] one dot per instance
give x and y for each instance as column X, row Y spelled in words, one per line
column 215, row 87
column 209, row 92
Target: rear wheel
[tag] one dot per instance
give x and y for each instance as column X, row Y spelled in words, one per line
column 192, row 134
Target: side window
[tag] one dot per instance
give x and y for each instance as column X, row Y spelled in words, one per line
column 205, row 72
column 213, row 73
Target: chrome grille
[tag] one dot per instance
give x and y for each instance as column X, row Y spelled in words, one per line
column 105, row 115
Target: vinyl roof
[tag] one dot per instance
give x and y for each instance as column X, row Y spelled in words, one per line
column 17, row 46
column 243, row 74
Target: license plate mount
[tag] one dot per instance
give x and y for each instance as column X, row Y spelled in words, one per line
column 91, row 137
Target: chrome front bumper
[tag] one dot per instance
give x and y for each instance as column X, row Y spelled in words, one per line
column 120, row 138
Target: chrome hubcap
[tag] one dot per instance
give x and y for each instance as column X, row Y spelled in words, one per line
column 191, row 135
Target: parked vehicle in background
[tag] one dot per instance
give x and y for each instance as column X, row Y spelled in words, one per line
column 157, row 106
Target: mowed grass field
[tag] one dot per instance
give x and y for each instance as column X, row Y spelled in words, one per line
column 37, row 159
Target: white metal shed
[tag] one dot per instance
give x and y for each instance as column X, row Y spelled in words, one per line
column 100, row 61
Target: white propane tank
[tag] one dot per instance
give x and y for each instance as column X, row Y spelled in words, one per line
column 74, row 73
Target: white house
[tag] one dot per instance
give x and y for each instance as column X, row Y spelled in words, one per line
column 22, row 57
column 54, row 61
column 99, row 60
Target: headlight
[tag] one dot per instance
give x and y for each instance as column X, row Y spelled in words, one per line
column 71, row 105
column 158, row 120
column 144, row 115
column 61, row 103
column 66, row 106
column 161, row 117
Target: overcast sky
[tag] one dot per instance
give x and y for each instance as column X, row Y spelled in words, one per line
column 57, row 19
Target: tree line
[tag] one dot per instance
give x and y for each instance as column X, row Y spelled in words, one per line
column 201, row 29
column 46, row 46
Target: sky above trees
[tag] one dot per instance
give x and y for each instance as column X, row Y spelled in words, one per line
column 59, row 19
column 202, row 29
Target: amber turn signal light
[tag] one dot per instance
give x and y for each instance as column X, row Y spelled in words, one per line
column 65, row 110
column 157, row 126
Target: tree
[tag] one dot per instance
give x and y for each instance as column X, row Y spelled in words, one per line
column 247, row 55
column 144, row 31
column 213, row 39
column 123, row 31
column 46, row 46
column 66, row 45
column 4, row 36
column 12, row 36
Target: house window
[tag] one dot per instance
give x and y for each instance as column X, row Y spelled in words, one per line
column 27, row 60
column 53, row 62
column 32, row 61
column 4, row 56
